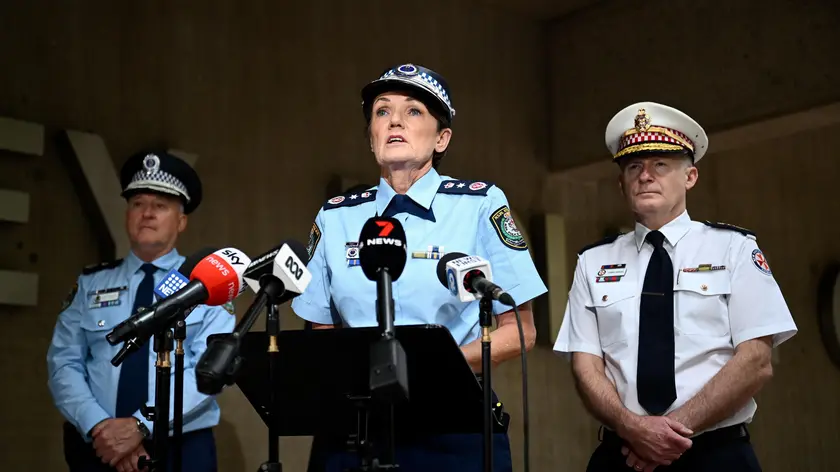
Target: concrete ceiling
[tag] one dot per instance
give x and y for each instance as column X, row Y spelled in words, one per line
column 540, row 9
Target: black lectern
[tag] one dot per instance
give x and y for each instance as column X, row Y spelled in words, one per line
column 322, row 386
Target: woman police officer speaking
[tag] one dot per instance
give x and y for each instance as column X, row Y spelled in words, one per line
column 409, row 113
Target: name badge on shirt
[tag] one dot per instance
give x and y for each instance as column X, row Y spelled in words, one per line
column 431, row 252
column 611, row 273
column 106, row 297
column 351, row 251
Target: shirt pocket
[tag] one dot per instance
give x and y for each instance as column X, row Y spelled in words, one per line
column 614, row 306
column 701, row 303
column 96, row 323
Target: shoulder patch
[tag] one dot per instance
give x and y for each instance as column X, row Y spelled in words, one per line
column 94, row 268
column 314, row 239
column 465, row 187
column 350, row 199
column 603, row 242
column 229, row 308
column 730, row 227
column 69, row 298
column 506, row 229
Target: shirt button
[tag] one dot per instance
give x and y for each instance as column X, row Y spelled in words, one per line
column 704, row 287
column 604, row 298
column 101, row 323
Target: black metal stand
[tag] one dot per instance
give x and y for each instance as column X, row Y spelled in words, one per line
column 486, row 321
column 178, row 403
column 272, row 328
column 388, row 382
column 159, row 413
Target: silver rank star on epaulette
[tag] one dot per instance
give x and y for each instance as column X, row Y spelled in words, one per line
column 433, row 252
column 351, row 250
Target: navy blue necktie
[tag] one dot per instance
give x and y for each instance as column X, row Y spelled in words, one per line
column 404, row 204
column 655, row 383
column 133, row 388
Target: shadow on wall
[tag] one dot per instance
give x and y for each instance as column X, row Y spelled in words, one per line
column 230, row 456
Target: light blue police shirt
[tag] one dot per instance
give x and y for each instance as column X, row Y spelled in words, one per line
column 471, row 217
column 82, row 380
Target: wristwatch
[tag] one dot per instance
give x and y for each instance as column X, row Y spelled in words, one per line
column 144, row 431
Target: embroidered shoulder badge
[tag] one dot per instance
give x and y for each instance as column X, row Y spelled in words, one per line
column 94, row 268
column 229, row 308
column 730, row 227
column 465, row 187
column 760, row 262
column 605, row 241
column 350, row 199
column 314, row 239
column 69, row 298
column 507, row 230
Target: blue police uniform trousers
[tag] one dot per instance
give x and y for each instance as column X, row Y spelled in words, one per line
column 198, row 452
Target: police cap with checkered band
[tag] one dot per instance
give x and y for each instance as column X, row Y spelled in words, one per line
column 652, row 128
column 161, row 172
column 425, row 84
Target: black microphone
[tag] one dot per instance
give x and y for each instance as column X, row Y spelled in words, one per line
column 276, row 276
column 383, row 255
column 469, row 277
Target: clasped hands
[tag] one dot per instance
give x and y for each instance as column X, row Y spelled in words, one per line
column 119, row 443
column 651, row 441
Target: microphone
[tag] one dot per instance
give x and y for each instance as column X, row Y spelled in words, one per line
column 382, row 247
column 275, row 279
column 215, row 280
column 469, row 278
column 383, row 255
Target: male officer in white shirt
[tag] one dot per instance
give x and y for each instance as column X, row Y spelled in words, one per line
column 670, row 327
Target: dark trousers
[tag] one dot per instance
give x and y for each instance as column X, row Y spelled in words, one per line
column 443, row 453
column 198, row 452
column 724, row 450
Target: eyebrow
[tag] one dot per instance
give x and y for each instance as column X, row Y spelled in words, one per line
column 384, row 99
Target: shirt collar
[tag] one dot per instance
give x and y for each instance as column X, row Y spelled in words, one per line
column 164, row 262
column 673, row 231
column 422, row 192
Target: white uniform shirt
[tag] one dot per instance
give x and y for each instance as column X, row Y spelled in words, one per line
column 724, row 294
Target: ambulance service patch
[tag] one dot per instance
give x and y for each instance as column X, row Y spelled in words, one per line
column 314, row 238
column 506, row 229
column 760, row 262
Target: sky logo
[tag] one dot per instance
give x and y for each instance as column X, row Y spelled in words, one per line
column 170, row 284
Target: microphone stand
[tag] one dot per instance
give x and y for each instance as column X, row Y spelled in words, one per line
column 272, row 328
column 178, row 420
column 486, row 321
column 159, row 413
column 388, row 383
column 272, row 288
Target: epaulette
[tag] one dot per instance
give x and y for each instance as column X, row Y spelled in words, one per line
column 465, row 187
column 607, row 240
column 94, row 268
column 730, row 227
column 350, row 199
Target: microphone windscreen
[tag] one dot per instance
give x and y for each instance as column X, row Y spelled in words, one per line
column 194, row 258
column 441, row 266
column 382, row 245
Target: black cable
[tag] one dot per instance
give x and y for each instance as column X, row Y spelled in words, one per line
column 525, row 421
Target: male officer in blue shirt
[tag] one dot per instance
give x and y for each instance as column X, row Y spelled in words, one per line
column 105, row 429
column 409, row 114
